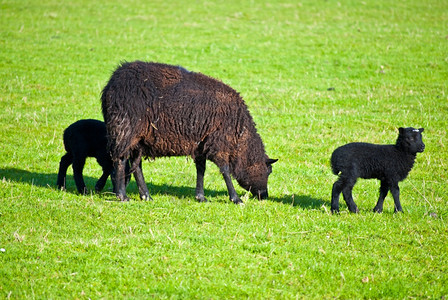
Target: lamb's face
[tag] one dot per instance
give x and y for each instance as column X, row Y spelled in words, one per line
column 411, row 139
column 256, row 179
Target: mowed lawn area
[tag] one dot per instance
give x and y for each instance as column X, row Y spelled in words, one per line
column 314, row 74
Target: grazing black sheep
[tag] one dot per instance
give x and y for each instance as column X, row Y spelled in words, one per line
column 82, row 139
column 388, row 163
column 157, row 110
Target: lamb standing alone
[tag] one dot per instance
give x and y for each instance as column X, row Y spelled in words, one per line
column 388, row 163
column 157, row 110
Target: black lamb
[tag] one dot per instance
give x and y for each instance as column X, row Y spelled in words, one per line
column 82, row 139
column 155, row 110
column 388, row 163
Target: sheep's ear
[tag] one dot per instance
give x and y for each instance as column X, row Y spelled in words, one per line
column 401, row 130
column 421, row 129
column 270, row 161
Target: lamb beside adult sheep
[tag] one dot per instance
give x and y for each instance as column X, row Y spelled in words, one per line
column 157, row 110
column 388, row 163
column 82, row 139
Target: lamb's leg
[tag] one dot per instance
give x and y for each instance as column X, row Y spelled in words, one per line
column 102, row 181
column 395, row 191
column 200, row 171
column 232, row 193
column 78, row 165
column 120, row 174
column 141, row 184
column 347, row 193
column 65, row 162
column 336, row 191
column 384, row 188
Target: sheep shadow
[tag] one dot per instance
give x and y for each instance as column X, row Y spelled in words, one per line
column 48, row 180
column 302, row 201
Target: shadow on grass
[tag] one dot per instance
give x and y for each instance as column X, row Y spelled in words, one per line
column 303, row 201
column 49, row 181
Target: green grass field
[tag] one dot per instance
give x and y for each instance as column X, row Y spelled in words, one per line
column 314, row 74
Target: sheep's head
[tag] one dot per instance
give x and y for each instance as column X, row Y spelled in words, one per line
column 255, row 178
column 410, row 139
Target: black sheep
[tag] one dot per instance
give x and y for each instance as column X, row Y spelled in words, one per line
column 82, row 139
column 157, row 110
column 388, row 163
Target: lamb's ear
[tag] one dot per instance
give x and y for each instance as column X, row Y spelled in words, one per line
column 270, row 161
column 401, row 130
column 421, row 129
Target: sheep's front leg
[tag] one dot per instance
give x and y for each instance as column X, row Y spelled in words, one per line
column 120, row 175
column 232, row 193
column 384, row 188
column 200, row 171
column 102, row 181
column 395, row 191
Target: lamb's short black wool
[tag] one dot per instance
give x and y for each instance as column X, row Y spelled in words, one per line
column 82, row 139
column 388, row 163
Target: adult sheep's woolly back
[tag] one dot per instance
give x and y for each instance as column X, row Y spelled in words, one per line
column 156, row 110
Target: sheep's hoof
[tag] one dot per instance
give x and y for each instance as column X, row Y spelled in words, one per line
column 354, row 210
column 201, row 198
column 237, row 201
column 123, row 198
column 377, row 210
column 335, row 211
column 146, row 197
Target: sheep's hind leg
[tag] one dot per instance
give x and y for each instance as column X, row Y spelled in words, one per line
column 395, row 191
column 65, row 162
column 78, row 166
column 120, row 174
column 138, row 175
column 200, row 171
column 384, row 188
column 347, row 193
column 335, row 192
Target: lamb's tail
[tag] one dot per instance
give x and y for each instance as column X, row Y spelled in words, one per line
column 335, row 170
column 334, row 166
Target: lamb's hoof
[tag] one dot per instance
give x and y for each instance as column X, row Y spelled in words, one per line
column 377, row 210
column 354, row 210
column 335, row 211
column 397, row 211
column 201, row 198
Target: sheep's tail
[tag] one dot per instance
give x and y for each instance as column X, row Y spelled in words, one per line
column 334, row 167
column 335, row 170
